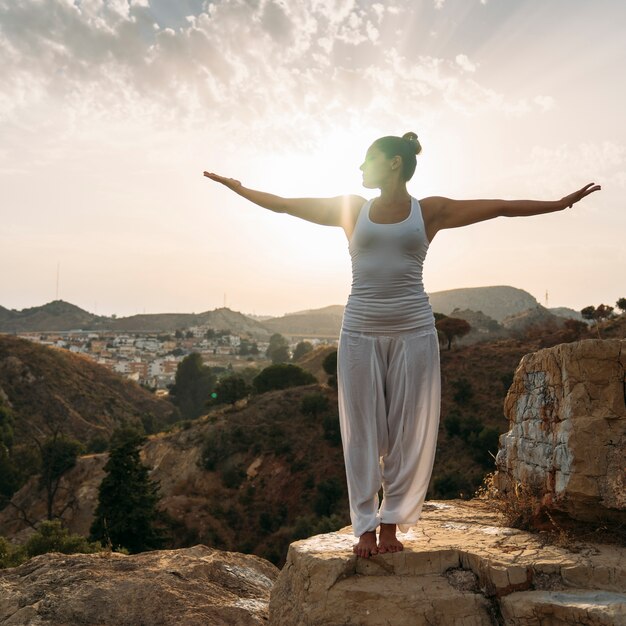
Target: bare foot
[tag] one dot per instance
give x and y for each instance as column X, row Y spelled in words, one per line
column 366, row 546
column 387, row 541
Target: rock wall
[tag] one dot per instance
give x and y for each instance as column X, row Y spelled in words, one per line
column 567, row 437
column 459, row 567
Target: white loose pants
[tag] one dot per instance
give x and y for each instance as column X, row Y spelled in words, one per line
column 389, row 402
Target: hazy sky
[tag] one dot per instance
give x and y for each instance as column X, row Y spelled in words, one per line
column 111, row 110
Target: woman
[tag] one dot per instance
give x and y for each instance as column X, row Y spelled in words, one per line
column 388, row 357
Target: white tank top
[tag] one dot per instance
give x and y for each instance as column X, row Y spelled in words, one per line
column 387, row 289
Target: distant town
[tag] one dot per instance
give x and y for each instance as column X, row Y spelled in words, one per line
column 151, row 359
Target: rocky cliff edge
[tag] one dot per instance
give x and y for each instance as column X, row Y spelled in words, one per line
column 460, row 567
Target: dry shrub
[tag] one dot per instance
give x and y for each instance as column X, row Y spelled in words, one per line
column 520, row 507
column 523, row 508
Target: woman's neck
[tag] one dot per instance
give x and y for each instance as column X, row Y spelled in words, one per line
column 394, row 194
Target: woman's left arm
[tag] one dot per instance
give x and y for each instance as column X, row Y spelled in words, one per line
column 447, row 213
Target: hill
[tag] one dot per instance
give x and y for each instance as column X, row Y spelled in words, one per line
column 63, row 316
column 496, row 302
column 53, row 316
column 563, row 311
column 47, row 387
column 219, row 319
column 532, row 317
column 324, row 323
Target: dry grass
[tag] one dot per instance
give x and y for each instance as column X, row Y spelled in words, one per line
column 522, row 508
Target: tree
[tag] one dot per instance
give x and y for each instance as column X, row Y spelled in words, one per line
column 8, row 471
column 193, row 386
column 58, row 456
column 304, row 347
column 126, row 514
column 230, row 389
column 278, row 349
column 601, row 312
column 247, row 347
column 453, row 327
column 589, row 312
column 621, row 305
column 330, row 367
column 282, row 376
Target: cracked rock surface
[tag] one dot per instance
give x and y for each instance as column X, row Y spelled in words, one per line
column 567, row 437
column 459, row 567
column 188, row 587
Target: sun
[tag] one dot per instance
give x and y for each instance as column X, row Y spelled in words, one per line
column 326, row 165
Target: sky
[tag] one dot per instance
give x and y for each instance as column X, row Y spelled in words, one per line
column 110, row 110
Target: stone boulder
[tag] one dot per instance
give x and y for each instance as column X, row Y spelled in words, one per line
column 567, row 437
column 189, row 587
column 459, row 567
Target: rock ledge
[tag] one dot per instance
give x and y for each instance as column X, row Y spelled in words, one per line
column 460, row 567
column 189, row 587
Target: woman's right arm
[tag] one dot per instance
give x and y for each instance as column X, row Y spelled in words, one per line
column 339, row 211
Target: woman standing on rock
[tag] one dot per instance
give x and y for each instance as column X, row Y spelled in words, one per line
column 388, row 358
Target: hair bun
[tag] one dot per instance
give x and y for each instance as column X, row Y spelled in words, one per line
column 412, row 138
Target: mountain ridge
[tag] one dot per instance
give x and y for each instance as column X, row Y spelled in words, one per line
column 497, row 302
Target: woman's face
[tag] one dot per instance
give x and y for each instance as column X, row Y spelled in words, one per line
column 376, row 168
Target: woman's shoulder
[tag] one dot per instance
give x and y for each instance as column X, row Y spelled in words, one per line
column 431, row 205
column 356, row 201
column 351, row 212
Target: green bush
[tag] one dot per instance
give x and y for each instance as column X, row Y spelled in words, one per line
column 463, row 391
column 272, row 518
column 329, row 492
column 451, row 486
column 484, row 446
column 452, row 424
column 11, row 555
column 507, row 381
column 218, row 445
column 464, row 427
column 51, row 536
column 308, row 526
column 230, row 389
column 281, row 376
column 232, row 476
column 314, row 404
column 304, row 347
column 332, row 430
column 97, row 444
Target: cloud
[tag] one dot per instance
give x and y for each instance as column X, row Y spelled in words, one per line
column 546, row 103
column 569, row 166
column 465, row 63
column 248, row 68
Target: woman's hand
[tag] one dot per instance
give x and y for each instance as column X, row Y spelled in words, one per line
column 231, row 183
column 573, row 198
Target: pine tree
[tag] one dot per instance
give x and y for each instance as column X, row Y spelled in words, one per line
column 126, row 512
